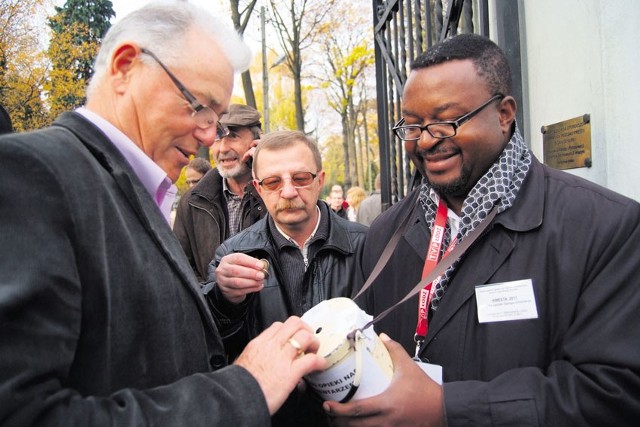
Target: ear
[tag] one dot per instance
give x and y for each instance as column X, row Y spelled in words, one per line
column 321, row 179
column 257, row 186
column 507, row 113
column 123, row 61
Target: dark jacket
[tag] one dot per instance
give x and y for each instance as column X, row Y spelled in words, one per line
column 578, row 363
column 333, row 272
column 202, row 219
column 101, row 318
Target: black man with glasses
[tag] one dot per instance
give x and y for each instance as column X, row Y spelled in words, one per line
column 299, row 255
column 102, row 321
column 224, row 201
column 537, row 323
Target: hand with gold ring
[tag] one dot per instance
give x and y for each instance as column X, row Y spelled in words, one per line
column 280, row 357
column 297, row 346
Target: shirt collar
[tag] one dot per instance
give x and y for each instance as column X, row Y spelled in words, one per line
column 313, row 233
column 154, row 179
column 452, row 217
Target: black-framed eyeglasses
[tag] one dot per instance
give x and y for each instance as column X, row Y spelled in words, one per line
column 203, row 115
column 298, row 180
column 446, row 129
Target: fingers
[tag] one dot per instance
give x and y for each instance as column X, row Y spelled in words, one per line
column 248, row 155
column 279, row 357
column 355, row 408
column 239, row 274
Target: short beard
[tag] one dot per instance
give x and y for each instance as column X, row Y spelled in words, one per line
column 457, row 188
column 240, row 171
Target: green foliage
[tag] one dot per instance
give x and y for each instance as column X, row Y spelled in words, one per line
column 22, row 67
column 78, row 28
column 94, row 19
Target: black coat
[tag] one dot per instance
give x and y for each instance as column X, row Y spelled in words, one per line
column 578, row 363
column 334, row 272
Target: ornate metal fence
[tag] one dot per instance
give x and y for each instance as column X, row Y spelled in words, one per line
column 402, row 30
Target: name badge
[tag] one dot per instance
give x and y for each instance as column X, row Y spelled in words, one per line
column 499, row 302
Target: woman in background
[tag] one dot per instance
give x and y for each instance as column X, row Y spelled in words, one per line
column 355, row 195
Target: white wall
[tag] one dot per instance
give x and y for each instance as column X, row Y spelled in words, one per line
column 583, row 56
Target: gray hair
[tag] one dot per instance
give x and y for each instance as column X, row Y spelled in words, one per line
column 161, row 27
column 281, row 140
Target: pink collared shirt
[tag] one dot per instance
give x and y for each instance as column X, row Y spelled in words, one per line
column 154, row 179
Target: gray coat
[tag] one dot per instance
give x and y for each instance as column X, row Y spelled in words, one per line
column 101, row 319
column 578, row 363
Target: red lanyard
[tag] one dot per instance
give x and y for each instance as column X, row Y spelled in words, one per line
column 431, row 260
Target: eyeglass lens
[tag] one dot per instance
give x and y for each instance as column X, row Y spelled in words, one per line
column 221, row 131
column 298, row 180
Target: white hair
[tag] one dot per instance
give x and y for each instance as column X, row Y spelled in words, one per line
column 161, row 27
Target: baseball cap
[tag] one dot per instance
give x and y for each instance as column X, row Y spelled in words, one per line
column 241, row 115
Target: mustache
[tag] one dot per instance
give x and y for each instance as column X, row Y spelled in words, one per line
column 438, row 149
column 289, row 204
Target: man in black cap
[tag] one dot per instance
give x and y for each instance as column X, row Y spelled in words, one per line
column 222, row 203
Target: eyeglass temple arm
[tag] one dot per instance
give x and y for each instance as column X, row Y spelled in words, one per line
column 192, row 100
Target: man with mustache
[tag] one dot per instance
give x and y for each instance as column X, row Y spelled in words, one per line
column 222, row 203
column 299, row 255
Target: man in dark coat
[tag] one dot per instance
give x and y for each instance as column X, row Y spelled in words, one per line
column 101, row 318
column 299, row 255
column 537, row 324
column 223, row 202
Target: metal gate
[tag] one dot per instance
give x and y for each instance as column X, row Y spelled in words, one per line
column 402, row 30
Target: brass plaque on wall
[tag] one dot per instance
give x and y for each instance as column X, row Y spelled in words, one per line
column 567, row 144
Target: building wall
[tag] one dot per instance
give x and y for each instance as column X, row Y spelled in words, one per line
column 579, row 57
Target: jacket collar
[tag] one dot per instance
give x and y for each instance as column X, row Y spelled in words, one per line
column 338, row 239
column 210, row 189
column 495, row 246
column 527, row 210
column 138, row 197
column 525, row 214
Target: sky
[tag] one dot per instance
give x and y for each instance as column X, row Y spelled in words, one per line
column 123, row 7
column 252, row 35
column 218, row 7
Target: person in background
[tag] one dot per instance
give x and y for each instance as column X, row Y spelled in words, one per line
column 103, row 321
column 337, row 202
column 223, row 202
column 538, row 322
column 370, row 207
column 5, row 121
column 289, row 261
column 195, row 170
column 337, row 188
column 355, row 196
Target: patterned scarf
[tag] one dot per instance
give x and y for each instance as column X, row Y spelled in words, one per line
column 498, row 186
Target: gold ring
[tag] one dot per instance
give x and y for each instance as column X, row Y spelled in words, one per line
column 295, row 344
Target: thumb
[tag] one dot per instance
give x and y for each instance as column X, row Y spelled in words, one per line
column 392, row 346
column 396, row 351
